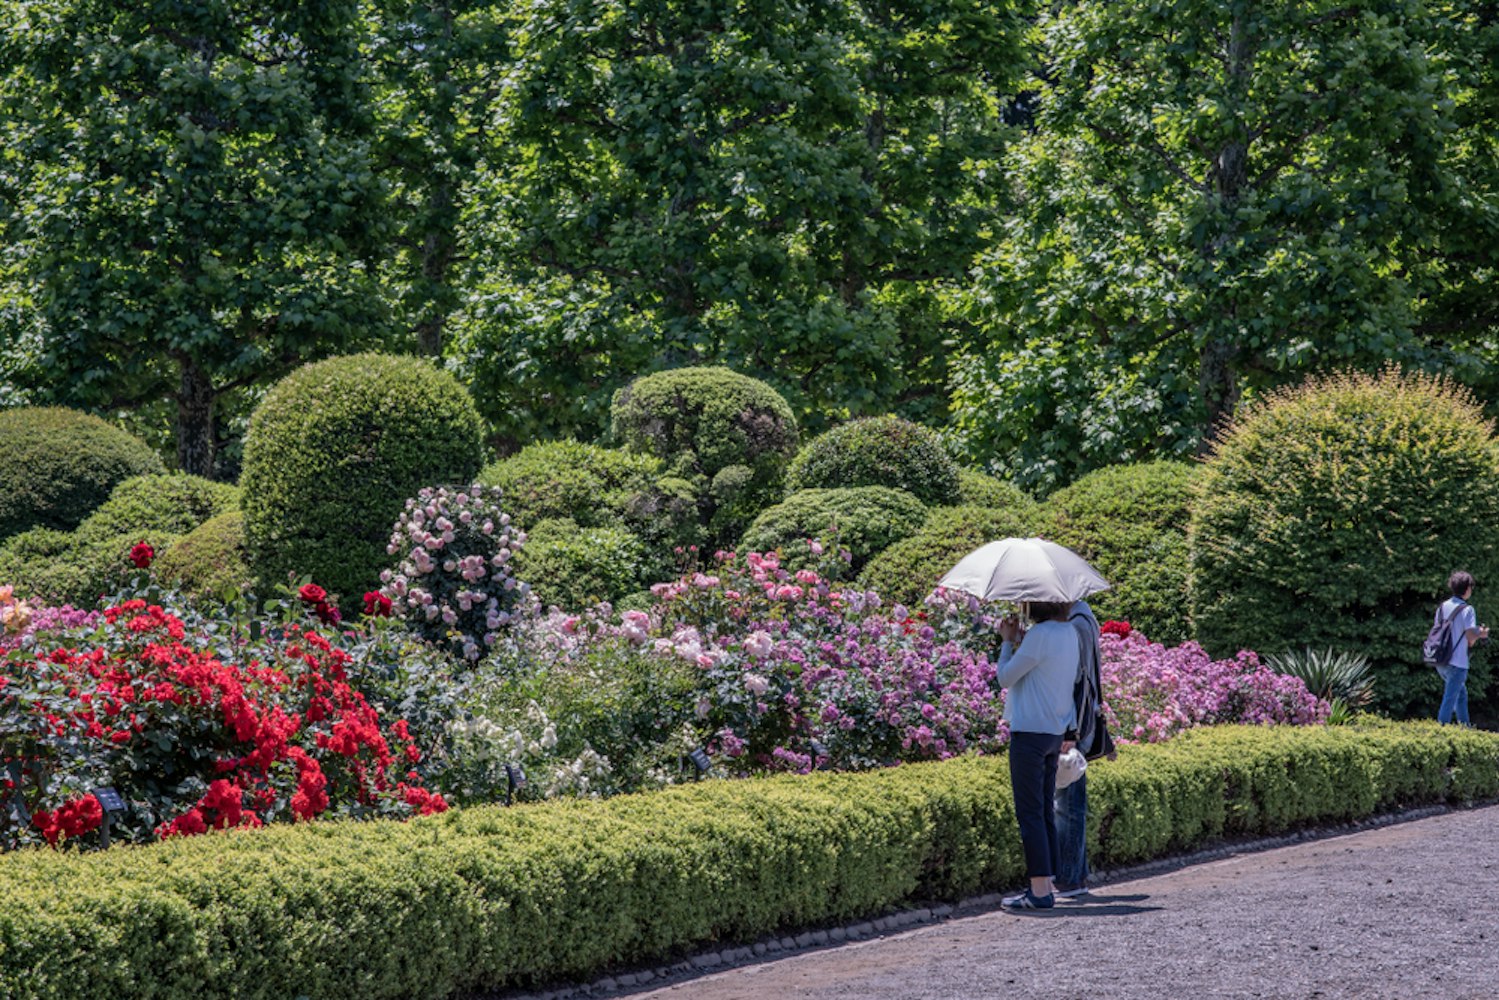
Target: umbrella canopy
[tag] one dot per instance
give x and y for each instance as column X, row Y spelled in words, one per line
column 1024, row 569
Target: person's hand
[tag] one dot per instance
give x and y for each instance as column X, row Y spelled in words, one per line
column 1009, row 628
column 1068, row 745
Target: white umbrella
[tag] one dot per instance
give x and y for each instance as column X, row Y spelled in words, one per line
column 1024, row 569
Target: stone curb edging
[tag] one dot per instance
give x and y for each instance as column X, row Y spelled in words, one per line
column 621, row 984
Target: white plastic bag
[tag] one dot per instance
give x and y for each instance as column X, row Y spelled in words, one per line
column 1070, row 767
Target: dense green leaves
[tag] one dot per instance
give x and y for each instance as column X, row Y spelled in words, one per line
column 188, row 191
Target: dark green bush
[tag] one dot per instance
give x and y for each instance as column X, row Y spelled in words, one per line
column 488, row 899
column 169, row 504
column 728, row 435
column 877, row 451
column 36, row 562
column 209, row 562
column 332, row 454
column 1130, row 522
column 1330, row 516
column 978, row 489
column 865, row 520
column 58, row 465
column 909, row 569
column 566, row 479
column 575, row 567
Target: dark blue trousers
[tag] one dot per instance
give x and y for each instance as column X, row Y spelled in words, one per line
column 1033, row 779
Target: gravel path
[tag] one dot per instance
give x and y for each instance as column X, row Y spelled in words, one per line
column 1404, row 910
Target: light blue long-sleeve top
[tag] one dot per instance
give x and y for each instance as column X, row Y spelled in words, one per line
column 1039, row 674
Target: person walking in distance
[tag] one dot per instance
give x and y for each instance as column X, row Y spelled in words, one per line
column 1038, row 675
column 1466, row 633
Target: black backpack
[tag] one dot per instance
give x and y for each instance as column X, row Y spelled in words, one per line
column 1093, row 739
column 1437, row 650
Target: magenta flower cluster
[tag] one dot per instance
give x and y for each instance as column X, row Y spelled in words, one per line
column 1152, row 692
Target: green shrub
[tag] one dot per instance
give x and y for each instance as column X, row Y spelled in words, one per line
column 79, row 567
column 566, row 479
column 1330, row 515
column 909, row 569
column 209, row 562
column 487, row 899
column 331, row 456
column 575, row 567
column 866, row 520
column 728, row 435
column 978, row 489
column 57, row 465
column 877, row 451
column 1130, row 522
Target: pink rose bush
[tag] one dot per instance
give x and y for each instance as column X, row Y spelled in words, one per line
column 1152, row 692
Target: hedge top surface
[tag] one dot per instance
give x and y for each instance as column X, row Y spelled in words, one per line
column 333, row 453
column 169, row 503
column 979, row 489
column 57, row 465
column 867, row 520
column 1330, row 515
column 877, row 451
column 704, row 420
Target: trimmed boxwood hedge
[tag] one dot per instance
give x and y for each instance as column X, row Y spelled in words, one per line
column 575, row 567
column 58, row 465
column 568, row 479
column 979, row 489
column 490, row 898
column 877, row 451
column 334, row 451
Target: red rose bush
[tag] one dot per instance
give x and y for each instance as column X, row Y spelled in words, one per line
column 198, row 727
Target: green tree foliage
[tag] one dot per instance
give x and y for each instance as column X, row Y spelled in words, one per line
column 1130, row 522
column 332, row 456
column 1217, row 197
column 1329, row 516
column 877, row 451
column 788, row 188
column 187, row 189
column 58, row 465
column 439, row 67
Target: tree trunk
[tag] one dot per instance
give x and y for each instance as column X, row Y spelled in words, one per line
column 438, row 249
column 195, row 439
column 1218, row 387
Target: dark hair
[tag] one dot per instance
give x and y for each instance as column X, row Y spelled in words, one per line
column 1460, row 583
column 1046, row 611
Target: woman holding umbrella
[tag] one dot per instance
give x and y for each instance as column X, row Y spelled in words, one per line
column 1038, row 668
column 1038, row 673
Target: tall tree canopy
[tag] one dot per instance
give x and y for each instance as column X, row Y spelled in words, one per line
column 787, row 187
column 1216, row 197
column 189, row 198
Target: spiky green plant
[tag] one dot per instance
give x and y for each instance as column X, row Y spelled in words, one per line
column 1331, row 674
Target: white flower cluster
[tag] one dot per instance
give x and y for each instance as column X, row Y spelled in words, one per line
column 454, row 583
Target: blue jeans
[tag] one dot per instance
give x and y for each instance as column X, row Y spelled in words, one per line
column 1454, row 695
column 1033, row 779
column 1072, row 834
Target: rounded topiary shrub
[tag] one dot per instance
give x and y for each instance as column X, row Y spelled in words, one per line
column 332, row 454
column 166, row 504
column 575, row 567
column 977, row 489
column 1330, row 515
column 210, row 562
column 878, row 451
column 727, row 434
column 37, row 563
column 567, row 479
column 907, row 571
column 865, row 520
column 1130, row 522
column 57, row 465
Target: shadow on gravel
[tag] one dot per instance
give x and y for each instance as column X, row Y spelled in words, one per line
column 1096, row 905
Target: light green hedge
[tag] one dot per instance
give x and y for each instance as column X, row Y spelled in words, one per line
column 489, row 898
